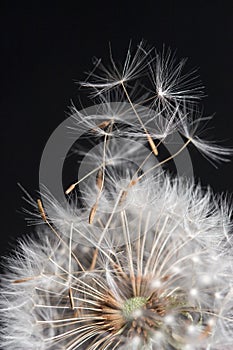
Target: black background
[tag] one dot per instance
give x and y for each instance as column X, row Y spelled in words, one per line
column 45, row 48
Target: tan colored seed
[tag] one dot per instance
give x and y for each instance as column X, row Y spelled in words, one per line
column 92, row 213
column 41, row 210
column 71, row 298
column 152, row 144
column 70, row 189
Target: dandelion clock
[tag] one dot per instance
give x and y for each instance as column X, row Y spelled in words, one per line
column 130, row 255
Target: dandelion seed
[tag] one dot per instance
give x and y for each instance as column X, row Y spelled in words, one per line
column 133, row 67
column 174, row 88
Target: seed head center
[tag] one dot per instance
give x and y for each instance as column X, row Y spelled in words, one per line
column 132, row 306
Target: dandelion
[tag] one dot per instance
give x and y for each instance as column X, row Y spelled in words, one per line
column 141, row 260
column 169, row 287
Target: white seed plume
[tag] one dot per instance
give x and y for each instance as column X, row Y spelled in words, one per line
column 145, row 261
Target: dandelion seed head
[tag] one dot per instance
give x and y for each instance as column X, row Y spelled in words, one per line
column 145, row 261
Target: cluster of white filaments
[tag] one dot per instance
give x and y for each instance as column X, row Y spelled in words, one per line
column 145, row 261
